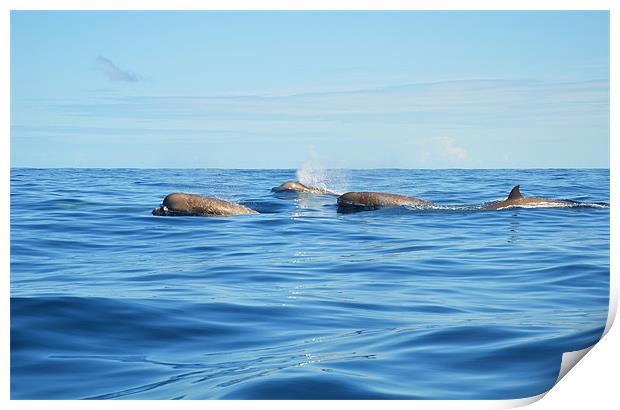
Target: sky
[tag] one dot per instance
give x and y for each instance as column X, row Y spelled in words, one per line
column 416, row 89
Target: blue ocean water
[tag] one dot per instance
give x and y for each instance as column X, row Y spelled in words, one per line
column 108, row 301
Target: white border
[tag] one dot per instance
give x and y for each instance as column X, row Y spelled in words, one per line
column 311, row 5
column 593, row 386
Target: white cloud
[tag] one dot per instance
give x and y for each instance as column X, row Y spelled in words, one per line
column 113, row 72
column 450, row 149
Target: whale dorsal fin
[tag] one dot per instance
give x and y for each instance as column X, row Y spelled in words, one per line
column 515, row 193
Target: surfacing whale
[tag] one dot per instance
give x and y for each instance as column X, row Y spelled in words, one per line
column 179, row 204
column 369, row 201
column 294, row 186
column 516, row 199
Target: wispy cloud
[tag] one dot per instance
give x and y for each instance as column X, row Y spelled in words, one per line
column 463, row 123
column 450, row 149
column 458, row 104
column 450, row 123
column 113, row 72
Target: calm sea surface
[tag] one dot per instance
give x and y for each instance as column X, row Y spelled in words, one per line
column 108, row 301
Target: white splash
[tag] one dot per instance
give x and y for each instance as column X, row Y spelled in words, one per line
column 312, row 174
column 555, row 205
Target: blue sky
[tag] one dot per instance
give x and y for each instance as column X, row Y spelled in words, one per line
column 275, row 89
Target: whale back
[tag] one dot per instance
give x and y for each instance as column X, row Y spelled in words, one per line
column 295, row 186
column 192, row 204
column 290, row 186
column 374, row 200
column 516, row 199
column 515, row 193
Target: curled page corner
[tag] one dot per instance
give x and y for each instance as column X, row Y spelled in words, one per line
column 613, row 305
column 514, row 403
column 570, row 359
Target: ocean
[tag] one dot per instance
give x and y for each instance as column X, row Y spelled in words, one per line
column 300, row 301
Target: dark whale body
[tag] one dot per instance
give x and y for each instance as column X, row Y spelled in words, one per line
column 369, row 201
column 294, row 186
column 179, row 204
column 515, row 199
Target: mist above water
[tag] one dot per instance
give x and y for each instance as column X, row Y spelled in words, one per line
column 313, row 174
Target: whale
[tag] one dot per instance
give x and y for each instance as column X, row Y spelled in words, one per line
column 515, row 199
column 294, row 186
column 369, row 201
column 180, row 204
